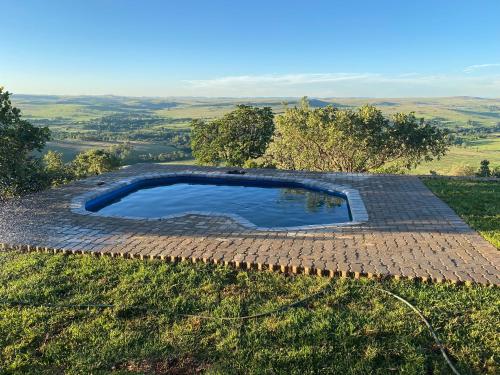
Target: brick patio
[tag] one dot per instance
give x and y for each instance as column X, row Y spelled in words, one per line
column 409, row 233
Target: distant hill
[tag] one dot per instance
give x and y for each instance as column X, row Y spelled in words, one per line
column 159, row 127
column 450, row 112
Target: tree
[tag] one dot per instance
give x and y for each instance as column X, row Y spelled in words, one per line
column 19, row 167
column 484, row 169
column 237, row 137
column 330, row 139
column 94, row 162
column 122, row 150
column 56, row 171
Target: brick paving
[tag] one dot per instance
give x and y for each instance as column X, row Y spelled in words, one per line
column 410, row 233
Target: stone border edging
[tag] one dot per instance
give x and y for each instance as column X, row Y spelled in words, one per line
column 244, row 266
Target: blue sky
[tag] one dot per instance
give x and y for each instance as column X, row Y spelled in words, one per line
column 251, row 48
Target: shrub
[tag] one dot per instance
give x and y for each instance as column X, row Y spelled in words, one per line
column 56, row 171
column 496, row 171
column 330, row 139
column 484, row 169
column 94, row 162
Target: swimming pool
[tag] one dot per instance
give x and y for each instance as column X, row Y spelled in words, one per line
column 260, row 202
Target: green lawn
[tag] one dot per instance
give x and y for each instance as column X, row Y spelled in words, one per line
column 353, row 329
column 478, row 203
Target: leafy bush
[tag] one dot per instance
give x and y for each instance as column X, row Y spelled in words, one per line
column 330, row 139
column 85, row 164
column 94, row 162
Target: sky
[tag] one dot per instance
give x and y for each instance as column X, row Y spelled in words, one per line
column 248, row 48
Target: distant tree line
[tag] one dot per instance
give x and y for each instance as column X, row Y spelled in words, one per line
column 175, row 155
column 177, row 138
column 122, row 122
column 461, row 136
column 125, row 122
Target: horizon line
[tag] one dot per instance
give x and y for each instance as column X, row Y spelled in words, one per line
column 259, row 97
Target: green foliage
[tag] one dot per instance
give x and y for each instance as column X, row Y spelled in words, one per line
column 56, row 171
column 354, row 329
column 122, row 150
column 237, row 137
column 477, row 202
column 94, row 162
column 496, row 171
column 484, row 169
column 19, row 169
column 86, row 163
column 330, row 139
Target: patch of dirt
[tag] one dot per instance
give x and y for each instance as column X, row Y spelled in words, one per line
column 171, row 366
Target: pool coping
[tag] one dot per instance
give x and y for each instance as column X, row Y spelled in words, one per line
column 357, row 209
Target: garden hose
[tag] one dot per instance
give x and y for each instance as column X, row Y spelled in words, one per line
column 427, row 323
column 241, row 318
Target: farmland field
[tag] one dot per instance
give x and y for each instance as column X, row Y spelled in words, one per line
column 159, row 126
column 480, row 149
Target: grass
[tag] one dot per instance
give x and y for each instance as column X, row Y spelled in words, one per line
column 481, row 149
column 354, row 329
column 477, row 202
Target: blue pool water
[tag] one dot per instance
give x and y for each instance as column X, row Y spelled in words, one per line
column 263, row 203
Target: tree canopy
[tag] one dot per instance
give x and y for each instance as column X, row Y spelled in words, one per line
column 237, row 137
column 19, row 139
column 94, row 162
column 330, row 139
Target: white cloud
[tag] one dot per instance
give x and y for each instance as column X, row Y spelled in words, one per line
column 473, row 68
column 317, row 79
column 333, row 84
column 347, row 84
column 283, row 79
